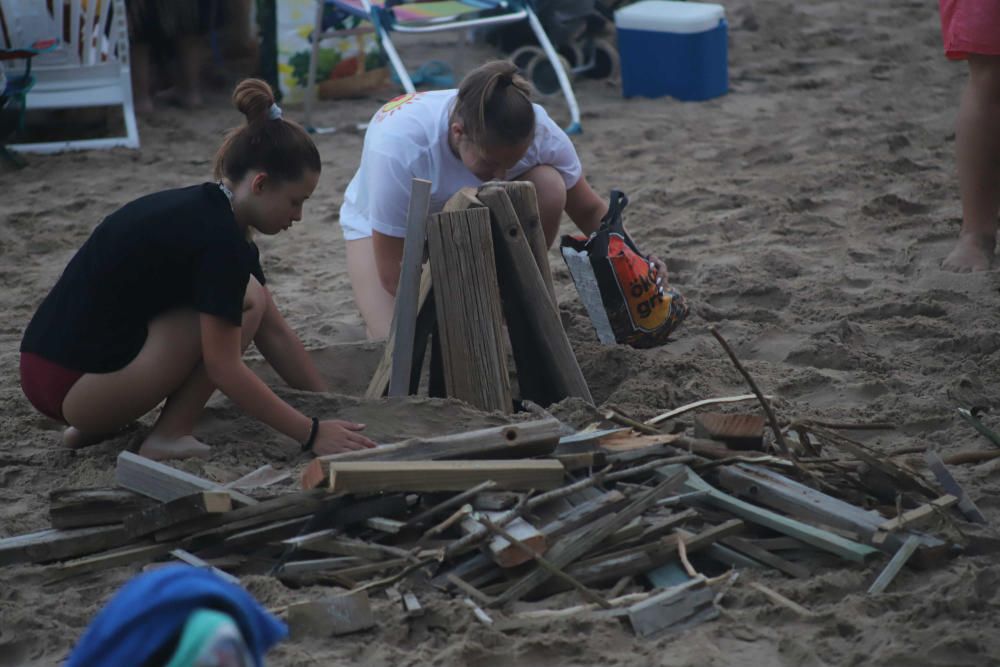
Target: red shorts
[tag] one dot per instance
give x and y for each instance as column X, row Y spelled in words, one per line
column 46, row 384
column 970, row 27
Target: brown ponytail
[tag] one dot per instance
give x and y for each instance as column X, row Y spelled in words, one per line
column 494, row 105
column 279, row 147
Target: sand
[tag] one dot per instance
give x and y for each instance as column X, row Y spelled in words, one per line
column 805, row 214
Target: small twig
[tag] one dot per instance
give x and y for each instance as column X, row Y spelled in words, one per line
column 646, row 467
column 622, row 584
column 698, row 404
column 731, row 579
column 468, row 589
column 388, row 581
column 683, row 555
column 778, row 435
column 555, row 571
column 780, row 599
column 618, row 417
column 459, row 514
column 455, row 501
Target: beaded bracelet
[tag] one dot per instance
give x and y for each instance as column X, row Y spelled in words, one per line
column 313, row 432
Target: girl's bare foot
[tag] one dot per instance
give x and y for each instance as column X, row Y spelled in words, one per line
column 74, row 438
column 159, row 448
column 972, row 253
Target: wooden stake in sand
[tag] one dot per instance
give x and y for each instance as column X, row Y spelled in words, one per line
column 468, row 307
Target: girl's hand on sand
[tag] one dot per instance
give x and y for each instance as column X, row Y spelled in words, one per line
column 661, row 269
column 336, row 436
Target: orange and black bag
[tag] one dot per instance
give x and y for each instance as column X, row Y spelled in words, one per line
column 619, row 286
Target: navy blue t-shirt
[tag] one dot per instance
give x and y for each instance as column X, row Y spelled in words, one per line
column 173, row 249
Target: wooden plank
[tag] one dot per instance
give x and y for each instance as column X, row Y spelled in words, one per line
column 821, row 539
column 672, row 608
column 81, row 508
column 411, row 605
column 578, row 543
column 331, row 617
column 382, row 524
column 520, row 440
column 373, row 476
column 767, row 558
column 108, row 560
column 503, row 552
column 494, row 501
column 191, row 559
column 379, row 384
column 177, row 511
column 164, row 483
column 895, row 565
column 404, row 319
column 738, row 431
column 467, row 300
column 551, row 355
column 266, row 475
column 965, row 504
column 524, row 199
column 300, row 567
column 802, row 502
column 585, row 512
column 54, row 544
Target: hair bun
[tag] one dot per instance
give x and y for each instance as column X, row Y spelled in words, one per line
column 253, row 98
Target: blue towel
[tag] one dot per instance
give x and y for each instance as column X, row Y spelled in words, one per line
column 151, row 610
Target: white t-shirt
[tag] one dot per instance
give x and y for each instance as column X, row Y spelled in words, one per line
column 408, row 138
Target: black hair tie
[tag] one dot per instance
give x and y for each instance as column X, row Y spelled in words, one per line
column 313, row 432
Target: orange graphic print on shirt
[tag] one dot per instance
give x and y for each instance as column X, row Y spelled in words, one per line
column 394, row 105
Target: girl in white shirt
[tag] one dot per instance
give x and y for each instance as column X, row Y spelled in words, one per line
column 486, row 130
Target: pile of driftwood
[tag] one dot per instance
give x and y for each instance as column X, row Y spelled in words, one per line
column 639, row 524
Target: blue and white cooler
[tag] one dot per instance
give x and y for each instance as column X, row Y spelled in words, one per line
column 673, row 48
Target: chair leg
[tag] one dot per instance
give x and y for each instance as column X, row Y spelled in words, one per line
column 16, row 160
column 394, row 60
column 543, row 39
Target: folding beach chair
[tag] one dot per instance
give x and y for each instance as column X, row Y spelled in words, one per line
column 88, row 68
column 388, row 16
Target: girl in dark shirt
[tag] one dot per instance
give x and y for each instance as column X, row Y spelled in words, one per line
column 167, row 293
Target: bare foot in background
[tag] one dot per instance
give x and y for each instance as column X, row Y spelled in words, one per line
column 159, row 448
column 972, row 253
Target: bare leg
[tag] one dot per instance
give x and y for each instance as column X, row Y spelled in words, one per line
column 978, row 154
column 189, row 52
column 168, row 366
column 550, row 189
column 141, row 83
column 376, row 305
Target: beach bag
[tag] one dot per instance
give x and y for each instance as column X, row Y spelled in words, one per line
column 618, row 285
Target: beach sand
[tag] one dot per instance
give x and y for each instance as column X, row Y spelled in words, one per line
column 805, row 215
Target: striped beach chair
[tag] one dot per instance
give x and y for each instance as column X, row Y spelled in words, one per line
column 387, row 17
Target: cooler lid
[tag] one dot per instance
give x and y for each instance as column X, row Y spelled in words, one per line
column 669, row 16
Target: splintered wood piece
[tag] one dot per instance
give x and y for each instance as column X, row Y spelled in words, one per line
column 177, row 511
column 778, row 598
column 54, row 544
column 674, row 609
column 548, row 370
column 915, row 517
column 373, row 476
column 404, row 319
column 737, row 431
column 109, row 559
column 81, row 508
column 191, row 559
column 767, row 558
column 965, row 504
column 819, row 538
column 585, row 512
column 411, row 605
column 164, row 483
column 494, row 501
column 331, row 617
column 502, row 551
column 467, row 300
column 895, row 565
